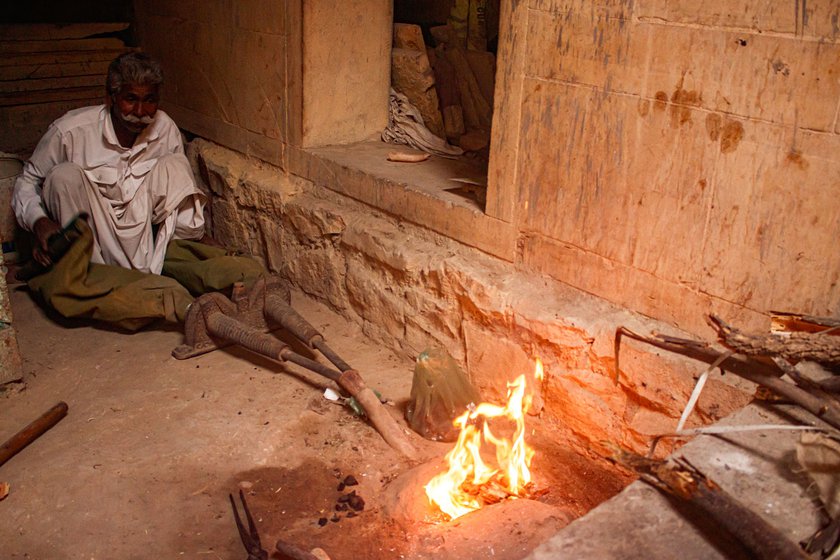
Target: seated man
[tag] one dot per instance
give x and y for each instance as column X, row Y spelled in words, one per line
column 123, row 165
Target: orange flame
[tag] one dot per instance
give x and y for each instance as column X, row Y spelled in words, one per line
column 466, row 465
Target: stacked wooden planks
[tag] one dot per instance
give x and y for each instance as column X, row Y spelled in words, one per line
column 49, row 69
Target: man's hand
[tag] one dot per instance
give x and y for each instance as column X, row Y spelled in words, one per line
column 43, row 229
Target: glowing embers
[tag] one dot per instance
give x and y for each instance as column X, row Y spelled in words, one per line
column 472, row 481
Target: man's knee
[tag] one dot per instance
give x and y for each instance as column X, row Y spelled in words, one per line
column 64, row 179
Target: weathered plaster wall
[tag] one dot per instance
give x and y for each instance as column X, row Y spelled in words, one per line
column 263, row 75
column 346, row 70
column 677, row 158
column 225, row 66
column 412, row 289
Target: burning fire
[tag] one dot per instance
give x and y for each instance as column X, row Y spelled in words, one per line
column 469, row 471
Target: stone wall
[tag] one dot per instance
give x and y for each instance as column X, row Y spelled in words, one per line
column 677, row 158
column 411, row 289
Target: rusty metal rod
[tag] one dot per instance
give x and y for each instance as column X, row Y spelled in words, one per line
column 32, row 432
column 311, row 365
column 283, row 313
column 322, row 347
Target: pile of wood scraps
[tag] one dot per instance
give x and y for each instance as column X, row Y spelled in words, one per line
column 798, row 363
column 449, row 84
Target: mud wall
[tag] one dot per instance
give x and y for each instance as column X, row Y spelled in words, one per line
column 677, row 158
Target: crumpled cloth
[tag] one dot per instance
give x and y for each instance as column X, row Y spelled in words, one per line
column 406, row 126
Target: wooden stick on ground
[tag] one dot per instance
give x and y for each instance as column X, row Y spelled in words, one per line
column 683, row 480
column 32, row 432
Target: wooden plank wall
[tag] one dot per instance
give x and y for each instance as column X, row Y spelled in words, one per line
column 49, row 69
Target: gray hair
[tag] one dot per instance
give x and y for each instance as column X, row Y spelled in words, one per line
column 133, row 68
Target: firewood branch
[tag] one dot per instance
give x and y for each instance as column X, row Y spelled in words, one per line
column 758, row 372
column 681, row 479
column 793, row 346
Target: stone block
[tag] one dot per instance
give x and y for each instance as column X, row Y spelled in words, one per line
column 408, row 36
column 10, row 361
column 638, row 168
column 10, row 169
column 313, row 223
column 483, row 66
column 591, row 406
column 317, row 270
column 345, row 72
column 375, row 297
column 494, row 360
column 411, row 75
column 262, row 16
column 820, row 20
column 379, row 241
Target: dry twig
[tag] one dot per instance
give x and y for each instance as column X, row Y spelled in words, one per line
column 756, row 371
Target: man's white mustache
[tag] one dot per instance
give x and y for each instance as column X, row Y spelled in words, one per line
column 137, row 120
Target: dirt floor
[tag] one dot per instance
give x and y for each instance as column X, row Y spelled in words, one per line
column 142, row 465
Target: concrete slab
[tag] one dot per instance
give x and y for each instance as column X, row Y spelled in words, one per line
column 757, row 468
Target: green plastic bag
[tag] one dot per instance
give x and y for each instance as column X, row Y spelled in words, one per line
column 440, row 392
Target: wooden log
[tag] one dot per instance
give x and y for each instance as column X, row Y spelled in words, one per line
column 61, row 45
column 55, row 70
column 32, row 431
column 684, row 481
column 36, row 59
column 477, row 110
column 758, row 372
column 48, row 31
column 58, row 83
column 51, row 96
column 795, row 346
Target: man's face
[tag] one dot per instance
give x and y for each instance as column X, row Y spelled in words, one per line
column 134, row 106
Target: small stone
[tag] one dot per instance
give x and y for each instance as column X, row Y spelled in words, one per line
column 350, row 480
column 346, row 497
column 322, row 521
column 357, row 503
